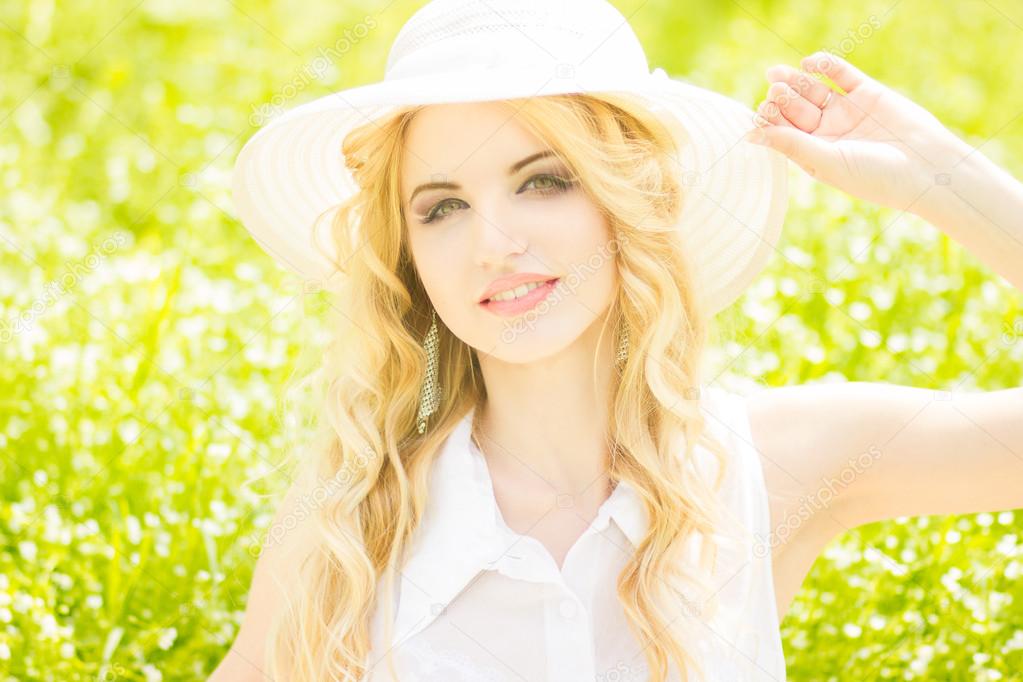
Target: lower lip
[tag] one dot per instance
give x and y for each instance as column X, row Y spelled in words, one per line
column 517, row 306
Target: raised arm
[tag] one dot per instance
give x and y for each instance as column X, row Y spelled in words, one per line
column 867, row 451
column 837, row 456
column 875, row 144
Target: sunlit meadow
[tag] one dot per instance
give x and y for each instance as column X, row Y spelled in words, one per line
column 147, row 343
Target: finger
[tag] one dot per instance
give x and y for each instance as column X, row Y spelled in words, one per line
column 772, row 112
column 801, row 113
column 844, row 74
column 814, row 156
column 811, row 89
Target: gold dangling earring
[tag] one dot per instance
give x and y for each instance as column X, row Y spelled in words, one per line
column 623, row 344
column 429, row 397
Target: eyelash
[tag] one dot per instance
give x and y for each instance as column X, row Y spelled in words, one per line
column 561, row 185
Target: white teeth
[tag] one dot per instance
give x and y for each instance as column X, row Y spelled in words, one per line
column 517, row 292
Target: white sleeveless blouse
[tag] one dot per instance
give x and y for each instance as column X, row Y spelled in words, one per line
column 480, row 602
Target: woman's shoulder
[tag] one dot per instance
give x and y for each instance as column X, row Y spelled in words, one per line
column 728, row 399
column 726, row 411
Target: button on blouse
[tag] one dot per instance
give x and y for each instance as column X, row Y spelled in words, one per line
column 478, row 601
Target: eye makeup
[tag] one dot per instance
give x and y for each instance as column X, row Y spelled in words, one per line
column 552, row 182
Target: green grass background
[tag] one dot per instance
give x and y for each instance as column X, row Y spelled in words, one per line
column 146, row 340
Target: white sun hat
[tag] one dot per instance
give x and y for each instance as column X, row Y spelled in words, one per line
column 291, row 173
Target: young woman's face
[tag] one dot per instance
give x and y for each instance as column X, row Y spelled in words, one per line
column 490, row 223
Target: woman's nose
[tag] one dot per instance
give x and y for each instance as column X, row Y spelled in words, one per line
column 496, row 234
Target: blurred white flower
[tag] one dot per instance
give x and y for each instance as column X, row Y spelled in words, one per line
column 167, row 637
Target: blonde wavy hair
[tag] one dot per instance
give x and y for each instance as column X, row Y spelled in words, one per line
column 374, row 365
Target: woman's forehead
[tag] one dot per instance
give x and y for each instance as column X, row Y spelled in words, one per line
column 464, row 140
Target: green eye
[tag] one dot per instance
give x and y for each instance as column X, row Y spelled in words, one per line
column 556, row 185
column 559, row 184
column 436, row 212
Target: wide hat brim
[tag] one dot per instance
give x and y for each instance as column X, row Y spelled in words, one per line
column 291, row 174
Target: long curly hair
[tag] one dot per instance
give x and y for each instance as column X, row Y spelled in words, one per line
column 374, row 365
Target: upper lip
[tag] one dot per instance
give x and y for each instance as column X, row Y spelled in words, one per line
column 511, row 281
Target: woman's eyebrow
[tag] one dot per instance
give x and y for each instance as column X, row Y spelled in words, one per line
column 515, row 168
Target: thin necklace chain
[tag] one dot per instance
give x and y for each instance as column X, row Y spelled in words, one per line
column 472, row 434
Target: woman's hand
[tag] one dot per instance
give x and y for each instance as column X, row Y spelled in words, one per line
column 878, row 145
column 870, row 142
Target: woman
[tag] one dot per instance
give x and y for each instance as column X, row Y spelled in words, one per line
column 523, row 473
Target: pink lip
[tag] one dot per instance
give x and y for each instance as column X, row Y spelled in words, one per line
column 511, row 281
column 517, row 306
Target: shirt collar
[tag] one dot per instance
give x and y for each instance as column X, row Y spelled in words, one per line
column 459, row 534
